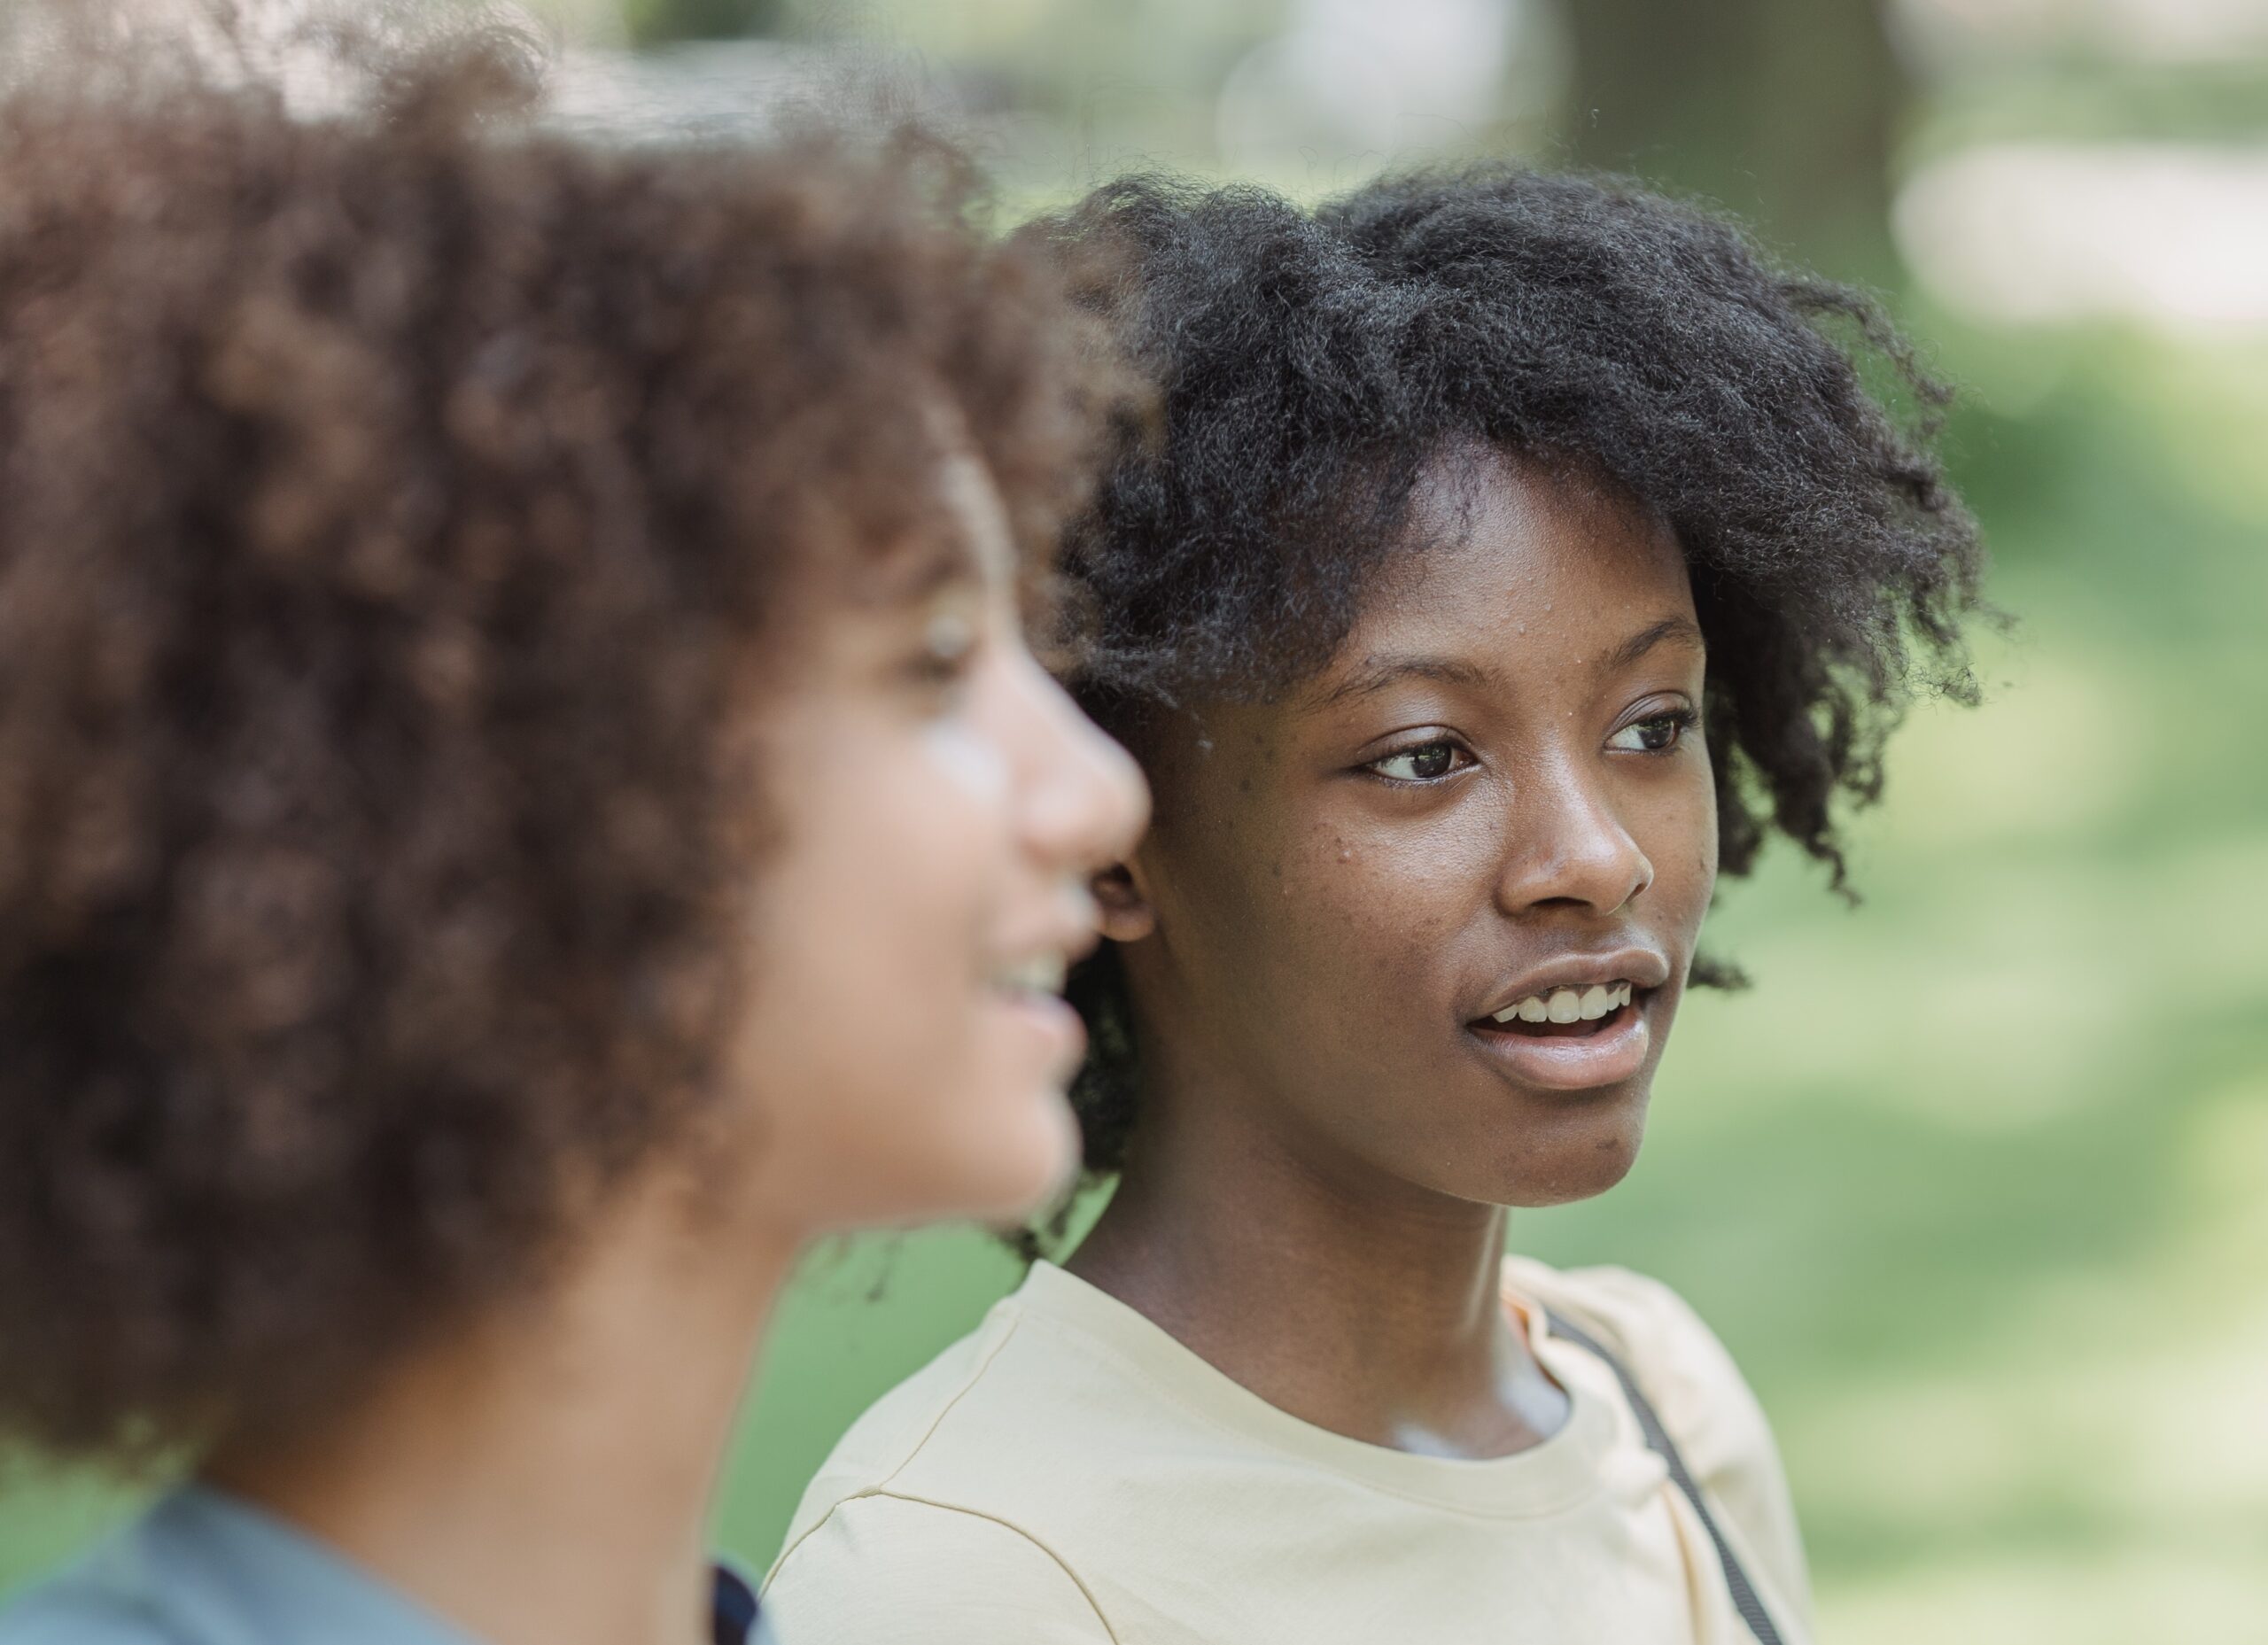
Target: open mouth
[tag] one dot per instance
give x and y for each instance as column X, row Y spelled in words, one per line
column 1574, row 1013
column 1027, row 992
column 1574, row 1036
column 1035, row 976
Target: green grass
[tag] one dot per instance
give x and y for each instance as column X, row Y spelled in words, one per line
column 1975, row 1180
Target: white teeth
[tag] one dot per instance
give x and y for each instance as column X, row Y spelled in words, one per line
column 1568, row 1004
column 1041, row 974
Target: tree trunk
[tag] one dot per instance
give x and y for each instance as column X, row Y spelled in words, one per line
column 656, row 22
column 1783, row 110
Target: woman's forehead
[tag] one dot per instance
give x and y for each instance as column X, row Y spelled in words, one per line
column 1471, row 484
column 956, row 546
column 1505, row 555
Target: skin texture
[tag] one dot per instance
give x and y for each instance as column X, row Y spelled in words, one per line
column 1314, row 1195
column 941, row 807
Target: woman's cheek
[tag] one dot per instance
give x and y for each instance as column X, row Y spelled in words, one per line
column 1700, row 839
column 965, row 765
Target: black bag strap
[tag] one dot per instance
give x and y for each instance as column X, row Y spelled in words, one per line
column 1658, row 1440
column 731, row 1607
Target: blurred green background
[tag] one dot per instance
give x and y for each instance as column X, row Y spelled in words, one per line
column 1975, row 1180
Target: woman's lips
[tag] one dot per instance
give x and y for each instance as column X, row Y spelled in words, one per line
column 1050, row 1023
column 1549, row 1055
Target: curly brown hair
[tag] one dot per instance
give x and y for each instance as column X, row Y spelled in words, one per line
column 400, row 512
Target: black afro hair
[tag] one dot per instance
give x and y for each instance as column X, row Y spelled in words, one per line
column 1311, row 362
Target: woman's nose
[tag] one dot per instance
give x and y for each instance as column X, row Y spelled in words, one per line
column 1569, row 847
column 1083, row 802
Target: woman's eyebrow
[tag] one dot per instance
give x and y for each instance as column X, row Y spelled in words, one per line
column 1684, row 630
column 974, row 542
column 1377, row 672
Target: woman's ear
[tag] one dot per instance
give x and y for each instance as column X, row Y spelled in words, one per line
column 1127, row 916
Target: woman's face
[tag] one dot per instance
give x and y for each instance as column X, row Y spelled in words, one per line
column 1494, row 806
column 941, row 804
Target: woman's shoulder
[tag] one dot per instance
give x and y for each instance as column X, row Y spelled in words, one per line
column 952, row 1497
column 1685, row 1370
column 85, row 1605
column 915, row 1513
column 201, row 1567
column 1690, row 1378
column 1638, row 1315
column 1057, row 1367
column 906, row 1422
column 874, row 1561
column 115, row 1593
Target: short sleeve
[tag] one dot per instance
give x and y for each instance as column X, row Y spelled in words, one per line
column 1710, row 1410
column 880, row 1570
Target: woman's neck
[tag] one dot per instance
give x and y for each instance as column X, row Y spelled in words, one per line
column 548, row 1476
column 1359, row 1303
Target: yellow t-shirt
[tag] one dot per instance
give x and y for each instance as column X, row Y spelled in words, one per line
column 1068, row 1474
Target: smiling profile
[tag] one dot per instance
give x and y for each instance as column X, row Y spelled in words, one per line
column 523, row 803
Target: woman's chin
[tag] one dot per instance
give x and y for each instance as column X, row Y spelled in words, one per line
column 1034, row 1162
column 1563, row 1176
column 1554, row 1152
column 1010, row 1151
column 1031, row 1037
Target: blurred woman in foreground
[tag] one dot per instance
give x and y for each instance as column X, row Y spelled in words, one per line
column 522, row 800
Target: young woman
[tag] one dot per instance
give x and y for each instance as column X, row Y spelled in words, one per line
column 1521, row 553
column 522, row 799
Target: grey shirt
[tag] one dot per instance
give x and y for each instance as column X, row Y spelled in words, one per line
column 203, row 1568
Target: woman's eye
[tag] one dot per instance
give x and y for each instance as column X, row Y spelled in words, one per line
column 1425, row 763
column 1657, row 734
column 929, row 669
column 947, row 656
